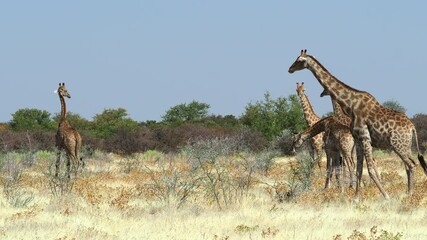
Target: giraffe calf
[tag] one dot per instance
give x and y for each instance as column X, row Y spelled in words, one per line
column 338, row 142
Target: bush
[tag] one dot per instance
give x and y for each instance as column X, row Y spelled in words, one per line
column 284, row 142
column 126, row 142
column 31, row 119
column 264, row 160
column 271, row 116
column 110, row 121
column 420, row 122
column 26, row 141
column 182, row 113
column 13, row 164
column 252, row 139
column 169, row 183
column 223, row 168
column 170, row 139
column 299, row 180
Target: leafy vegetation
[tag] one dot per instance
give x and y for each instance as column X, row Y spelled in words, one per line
column 31, row 120
column 394, row 105
column 271, row 116
column 192, row 112
column 114, row 131
column 110, row 121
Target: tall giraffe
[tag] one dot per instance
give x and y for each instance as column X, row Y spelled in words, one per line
column 372, row 124
column 338, row 141
column 311, row 118
column 67, row 137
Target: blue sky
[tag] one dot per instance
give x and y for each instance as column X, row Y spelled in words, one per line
column 147, row 56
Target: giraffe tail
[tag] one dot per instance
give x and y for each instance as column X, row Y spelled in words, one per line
column 422, row 163
column 82, row 162
column 420, row 156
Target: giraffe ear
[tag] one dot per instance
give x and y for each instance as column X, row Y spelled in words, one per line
column 56, row 91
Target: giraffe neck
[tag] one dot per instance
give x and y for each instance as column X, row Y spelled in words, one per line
column 310, row 116
column 314, row 130
column 338, row 90
column 339, row 113
column 63, row 109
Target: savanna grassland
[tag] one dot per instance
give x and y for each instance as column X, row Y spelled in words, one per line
column 204, row 192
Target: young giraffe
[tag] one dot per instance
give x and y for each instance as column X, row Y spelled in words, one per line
column 338, row 142
column 311, row 118
column 345, row 120
column 67, row 137
column 338, row 111
column 372, row 124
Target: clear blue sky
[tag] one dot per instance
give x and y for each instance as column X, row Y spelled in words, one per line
column 147, row 56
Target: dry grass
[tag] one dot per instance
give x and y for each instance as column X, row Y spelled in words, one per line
column 110, row 202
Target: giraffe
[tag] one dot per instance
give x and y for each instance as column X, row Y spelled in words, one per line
column 338, row 141
column 311, row 118
column 67, row 137
column 371, row 125
column 338, row 111
column 344, row 119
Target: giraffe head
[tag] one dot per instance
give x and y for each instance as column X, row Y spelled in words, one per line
column 300, row 88
column 62, row 91
column 300, row 63
column 297, row 141
column 325, row 93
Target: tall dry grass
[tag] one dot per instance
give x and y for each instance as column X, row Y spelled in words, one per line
column 159, row 196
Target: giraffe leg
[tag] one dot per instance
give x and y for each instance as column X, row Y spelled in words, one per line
column 402, row 147
column 77, row 150
column 312, row 152
column 319, row 153
column 343, row 166
column 76, row 165
column 350, row 168
column 374, row 165
column 349, row 157
column 359, row 167
column 367, row 149
column 58, row 162
column 328, row 170
column 337, row 168
column 318, row 160
column 68, row 166
column 409, row 174
column 409, row 167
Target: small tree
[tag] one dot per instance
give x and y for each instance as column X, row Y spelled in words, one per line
column 394, row 105
column 272, row 116
column 31, row 119
column 110, row 121
column 194, row 111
